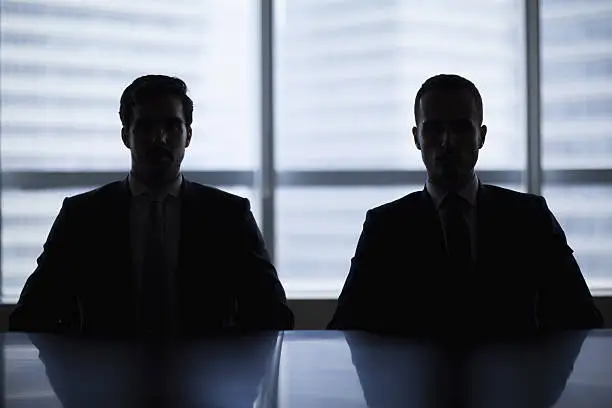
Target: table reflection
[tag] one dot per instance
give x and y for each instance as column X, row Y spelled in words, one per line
column 396, row 371
column 529, row 373
column 319, row 369
column 400, row 372
column 217, row 372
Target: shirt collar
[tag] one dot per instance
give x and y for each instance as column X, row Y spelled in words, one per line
column 173, row 188
column 468, row 191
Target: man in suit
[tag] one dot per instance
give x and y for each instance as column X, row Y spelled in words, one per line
column 461, row 254
column 153, row 253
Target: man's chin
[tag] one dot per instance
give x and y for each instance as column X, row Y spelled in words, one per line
column 449, row 177
column 160, row 160
column 458, row 179
column 162, row 170
column 161, row 165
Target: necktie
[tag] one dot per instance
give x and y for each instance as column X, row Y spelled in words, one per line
column 458, row 239
column 154, row 283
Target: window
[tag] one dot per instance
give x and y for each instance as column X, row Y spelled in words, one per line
column 63, row 68
column 584, row 213
column 318, row 229
column 344, row 80
column 346, row 77
column 577, row 128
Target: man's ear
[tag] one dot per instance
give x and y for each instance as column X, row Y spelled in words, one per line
column 415, row 135
column 483, row 135
column 125, row 138
column 188, row 139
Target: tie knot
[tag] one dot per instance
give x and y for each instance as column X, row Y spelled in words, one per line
column 155, row 206
column 455, row 201
column 155, row 199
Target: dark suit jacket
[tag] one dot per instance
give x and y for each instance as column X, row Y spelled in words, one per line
column 84, row 281
column 525, row 278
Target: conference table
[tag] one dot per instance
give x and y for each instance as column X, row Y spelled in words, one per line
column 308, row 369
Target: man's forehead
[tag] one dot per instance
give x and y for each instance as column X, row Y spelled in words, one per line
column 447, row 104
column 159, row 105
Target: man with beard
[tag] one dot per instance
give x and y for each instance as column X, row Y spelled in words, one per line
column 154, row 253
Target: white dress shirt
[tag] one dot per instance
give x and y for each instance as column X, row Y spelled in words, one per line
column 469, row 192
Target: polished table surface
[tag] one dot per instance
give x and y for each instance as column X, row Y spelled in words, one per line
column 309, row 369
column 334, row 369
column 218, row 371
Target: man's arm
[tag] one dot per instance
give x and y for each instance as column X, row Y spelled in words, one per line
column 359, row 302
column 47, row 302
column 565, row 301
column 262, row 303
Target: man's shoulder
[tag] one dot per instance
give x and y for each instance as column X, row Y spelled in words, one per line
column 414, row 202
column 516, row 199
column 216, row 197
column 103, row 193
column 400, row 205
column 110, row 193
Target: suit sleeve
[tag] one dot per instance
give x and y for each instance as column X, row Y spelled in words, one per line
column 359, row 305
column 261, row 303
column 47, row 302
column 564, row 301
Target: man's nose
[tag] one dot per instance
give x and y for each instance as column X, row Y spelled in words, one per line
column 445, row 138
column 160, row 136
column 448, row 138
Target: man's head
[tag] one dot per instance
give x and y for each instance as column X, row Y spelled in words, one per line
column 156, row 116
column 449, row 132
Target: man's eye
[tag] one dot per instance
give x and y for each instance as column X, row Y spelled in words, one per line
column 143, row 125
column 175, row 124
column 433, row 127
column 462, row 126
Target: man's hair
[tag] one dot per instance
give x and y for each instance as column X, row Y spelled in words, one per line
column 153, row 85
column 448, row 82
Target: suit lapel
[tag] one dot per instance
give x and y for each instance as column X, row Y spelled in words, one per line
column 487, row 227
column 109, row 263
column 190, row 225
column 117, row 226
column 430, row 228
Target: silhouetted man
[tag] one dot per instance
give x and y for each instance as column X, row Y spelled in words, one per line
column 154, row 253
column 460, row 254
